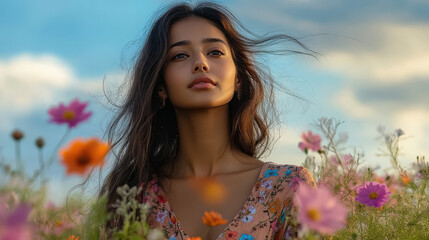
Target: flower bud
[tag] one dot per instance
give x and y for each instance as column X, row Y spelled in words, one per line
column 17, row 135
column 40, row 142
column 7, row 169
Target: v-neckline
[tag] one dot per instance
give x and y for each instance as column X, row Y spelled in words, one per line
column 252, row 192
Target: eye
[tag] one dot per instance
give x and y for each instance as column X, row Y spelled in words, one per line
column 179, row 55
column 218, row 52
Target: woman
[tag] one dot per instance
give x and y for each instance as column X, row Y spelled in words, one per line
column 193, row 125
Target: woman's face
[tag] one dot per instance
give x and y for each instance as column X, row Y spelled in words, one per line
column 198, row 49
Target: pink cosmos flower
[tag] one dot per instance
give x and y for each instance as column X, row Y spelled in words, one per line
column 72, row 114
column 14, row 225
column 310, row 141
column 319, row 210
column 373, row 194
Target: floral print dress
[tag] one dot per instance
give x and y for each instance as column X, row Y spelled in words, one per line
column 266, row 213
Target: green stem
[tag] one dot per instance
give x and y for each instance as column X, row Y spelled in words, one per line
column 54, row 153
column 19, row 159
column 42, row 165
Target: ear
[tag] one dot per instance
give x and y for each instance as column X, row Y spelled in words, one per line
column 162, row 92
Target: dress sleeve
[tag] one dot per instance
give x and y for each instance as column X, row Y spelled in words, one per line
column 288, row 227
column 306, row 177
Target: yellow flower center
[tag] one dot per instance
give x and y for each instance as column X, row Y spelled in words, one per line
column 58, row 224
column 373, row 195
column 69, row 115
column 313, row 214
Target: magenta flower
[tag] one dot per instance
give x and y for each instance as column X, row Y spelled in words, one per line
column 310, row 141
column 373, row 194
column 14, row 225
column 72, row 114
column 319, row 210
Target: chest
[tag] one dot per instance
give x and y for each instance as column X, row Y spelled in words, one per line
column 189, row 199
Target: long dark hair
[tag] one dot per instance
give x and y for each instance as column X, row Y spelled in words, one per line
column 144, row 137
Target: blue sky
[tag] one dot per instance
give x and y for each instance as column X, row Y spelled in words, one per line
column 372, row 69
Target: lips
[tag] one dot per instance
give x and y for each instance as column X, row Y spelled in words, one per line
column 201, row 80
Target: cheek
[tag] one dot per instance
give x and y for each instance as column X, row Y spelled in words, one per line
column 174, row 78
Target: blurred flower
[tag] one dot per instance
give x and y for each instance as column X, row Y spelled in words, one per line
column 17, row 135
column 155, row 234
column 72, row 114
column 211, row 190
column 60, row 226
column 319, row 210
column 6, row 169
column 15, row 225
column 50, row 205
column 193, row 238
column 40, row 142
column 399, row 132
column 310, row 141
column 83, row 154
column 373, row 194
column 72, row 237
column 213, row 218
column 406, row 179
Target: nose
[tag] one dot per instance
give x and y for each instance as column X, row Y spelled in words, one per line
column 200, row 65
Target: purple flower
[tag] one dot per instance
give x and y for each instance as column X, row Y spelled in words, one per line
column 248, row 218
column 319, row 210
column 373, row 194
column 161, row 216
column 14, row 226
column 72, row 114
column 267, row 184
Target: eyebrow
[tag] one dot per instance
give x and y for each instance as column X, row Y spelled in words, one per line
column 206, row 40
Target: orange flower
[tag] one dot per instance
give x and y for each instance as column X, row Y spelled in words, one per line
column 72, row 237
column 83, row 154
column 406, row 179
column 211, row 190
column 275, row 207
column 213, row 218
column 193, row 238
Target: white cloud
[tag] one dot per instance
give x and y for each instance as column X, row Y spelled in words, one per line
column 30, row 83
column 346, row 100
column 414, row 122
column 390, row 53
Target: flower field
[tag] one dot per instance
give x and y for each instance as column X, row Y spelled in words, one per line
column 348, row 202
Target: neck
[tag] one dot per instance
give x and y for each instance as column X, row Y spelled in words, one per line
column 203, row 142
